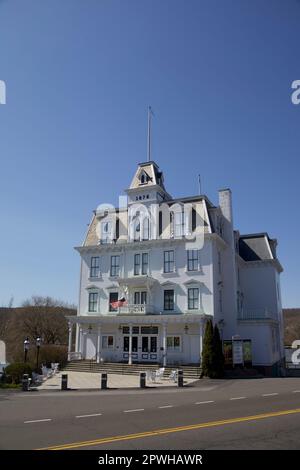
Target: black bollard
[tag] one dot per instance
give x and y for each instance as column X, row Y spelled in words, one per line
column 142, row 379
column 25, row 383
column 64, row 382
column 180, row 378
column 103, row 381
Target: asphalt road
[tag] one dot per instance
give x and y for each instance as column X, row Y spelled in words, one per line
column 239, row 414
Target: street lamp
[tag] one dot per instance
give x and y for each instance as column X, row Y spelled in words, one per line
column 38, row 345
column 26, row 347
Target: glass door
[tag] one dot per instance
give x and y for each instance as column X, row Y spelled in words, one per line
column 135, row 344
column 145, row 344
column 134, row 348
column 149, row 348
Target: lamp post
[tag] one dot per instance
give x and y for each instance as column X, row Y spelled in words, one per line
column 26, row 347
column 38, row 345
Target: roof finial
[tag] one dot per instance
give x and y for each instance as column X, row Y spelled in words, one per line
column 150, row 114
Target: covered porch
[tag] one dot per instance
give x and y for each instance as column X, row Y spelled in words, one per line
column 136, row 338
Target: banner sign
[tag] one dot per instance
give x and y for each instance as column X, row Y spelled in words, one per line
column 237, row 352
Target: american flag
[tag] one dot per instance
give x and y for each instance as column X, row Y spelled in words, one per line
column 118, row 303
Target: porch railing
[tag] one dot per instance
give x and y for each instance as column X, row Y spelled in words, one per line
column 75, row 356
column 255, row 314
column 137, row 309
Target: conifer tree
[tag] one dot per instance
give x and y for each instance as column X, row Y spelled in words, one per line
column 217, row 370
column 207, row 351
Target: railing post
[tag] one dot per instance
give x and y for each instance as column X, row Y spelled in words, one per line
column 25, row 383
column 64, row 382
column 104, row 381
column 180, row 378
column 142, row 379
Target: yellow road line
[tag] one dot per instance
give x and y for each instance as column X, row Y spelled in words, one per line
column 157, row 432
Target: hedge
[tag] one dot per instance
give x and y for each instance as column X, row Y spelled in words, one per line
column 13, row 373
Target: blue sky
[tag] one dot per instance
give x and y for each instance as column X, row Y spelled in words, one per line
column 80, row 75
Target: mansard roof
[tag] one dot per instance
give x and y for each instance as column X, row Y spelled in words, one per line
column 152, row 176
column 257, row 247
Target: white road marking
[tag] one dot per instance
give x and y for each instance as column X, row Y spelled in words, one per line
column 238, row 398
column 204, row 402
column 166, row 406
column 296, row 391
column 88, row 416
column 37, row 421
column 132, row 411
column 269, row 394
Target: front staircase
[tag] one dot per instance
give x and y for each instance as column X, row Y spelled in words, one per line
column 189, row 371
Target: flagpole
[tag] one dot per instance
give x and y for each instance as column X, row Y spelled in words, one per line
column 149, row 134
column 199, row 182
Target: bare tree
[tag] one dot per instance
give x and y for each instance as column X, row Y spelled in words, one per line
column 47, row 322
column 39, row 316
column 40, row 301
column 4, row 322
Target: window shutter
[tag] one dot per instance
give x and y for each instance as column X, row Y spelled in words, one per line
column 117, row 228
column 194, row 218
column 160, row 223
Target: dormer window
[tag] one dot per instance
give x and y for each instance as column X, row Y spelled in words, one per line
column 144, row 177
column 106, row 232
column 177, row 224
column 140, row 227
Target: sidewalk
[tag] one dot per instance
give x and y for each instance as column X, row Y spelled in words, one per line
column 91, row 380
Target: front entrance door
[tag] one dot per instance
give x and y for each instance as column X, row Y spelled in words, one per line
column 90, row 348
column 144, row 343
column 135, row 342
column 149, row 348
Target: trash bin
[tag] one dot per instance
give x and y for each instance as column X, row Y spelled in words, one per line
column 25, row 383
column 180, row 378
column 64, row 382
column 104, row 381
column 142, row 379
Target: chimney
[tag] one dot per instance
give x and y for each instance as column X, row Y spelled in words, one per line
column 225, row 203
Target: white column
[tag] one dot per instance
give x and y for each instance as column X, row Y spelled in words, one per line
column 164, row 345
column 80, row 340
column 77, row 338
column 70, row 340
column 99, row 344
column 201, row 339
column 130, row 346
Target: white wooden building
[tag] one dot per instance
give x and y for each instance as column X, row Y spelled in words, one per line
column 155, row 268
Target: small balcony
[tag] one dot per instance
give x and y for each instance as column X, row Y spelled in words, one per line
column 137, row 309
column 255, row 314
